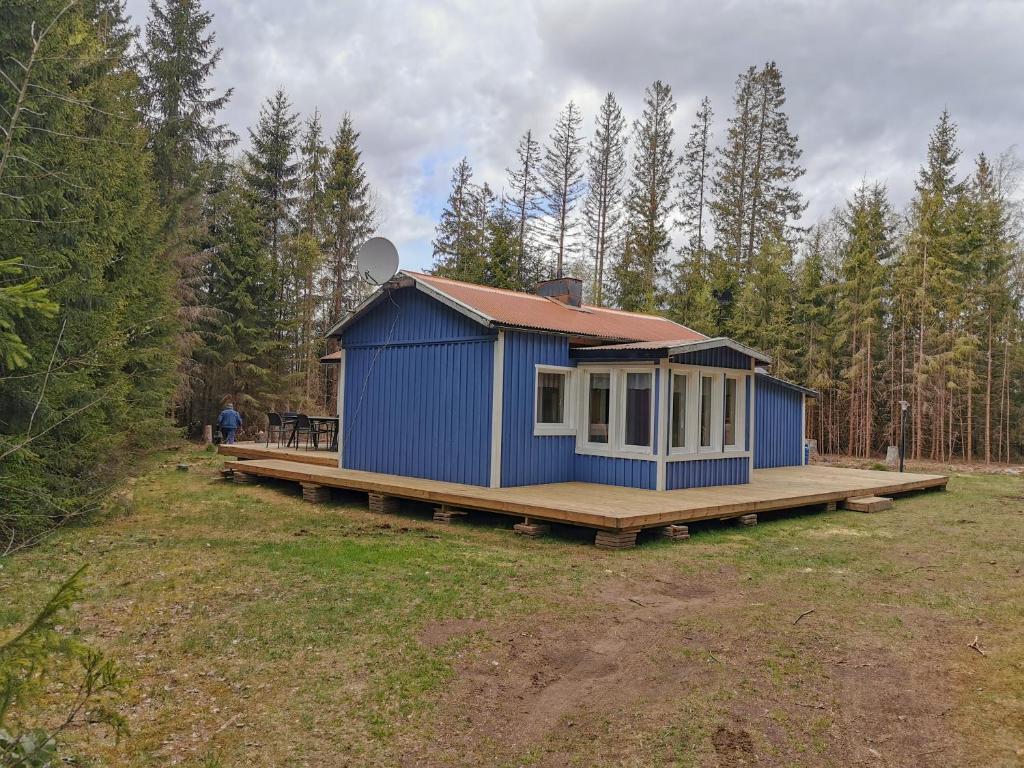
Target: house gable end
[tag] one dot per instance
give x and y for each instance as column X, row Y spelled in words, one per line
column 409, row 316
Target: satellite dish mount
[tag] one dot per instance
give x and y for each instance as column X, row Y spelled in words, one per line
column 377, row 260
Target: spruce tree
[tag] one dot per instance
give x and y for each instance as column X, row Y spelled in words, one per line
column 523, row 202
column 694, row 181
column 602, row 206
column 271, row 174
column 80, row 212
column 753, row 196
column 561, row 173
column 649, row 204
column 350, row 219
column 459, row 248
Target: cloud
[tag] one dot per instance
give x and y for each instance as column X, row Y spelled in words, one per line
column 427, row 83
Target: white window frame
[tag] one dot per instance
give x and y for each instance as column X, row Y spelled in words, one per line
column 583, row 444
column 620, row 421
column 692, row 412
column 694, row 450
column 741, row 413
column 568, row 424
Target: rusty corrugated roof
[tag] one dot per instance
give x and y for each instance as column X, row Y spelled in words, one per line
column 527, row 310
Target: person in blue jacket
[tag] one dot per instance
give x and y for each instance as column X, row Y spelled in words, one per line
column 228, row 423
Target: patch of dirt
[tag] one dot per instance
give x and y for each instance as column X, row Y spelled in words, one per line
column 440, row 632
column 734, row 748
column 702, row 655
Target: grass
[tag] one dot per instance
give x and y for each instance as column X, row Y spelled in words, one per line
column 257, row 629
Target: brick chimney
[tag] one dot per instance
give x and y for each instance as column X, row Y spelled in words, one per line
column 567, row 290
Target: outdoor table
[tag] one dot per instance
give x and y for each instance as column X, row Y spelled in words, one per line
column 288, row 420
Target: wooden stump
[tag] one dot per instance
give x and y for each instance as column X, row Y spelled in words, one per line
column 384, row 504
column 533, row 530
column 868, row 504
column 445, row 514
column 314, row 493
column 748, row 519
column 676, row 532
column 615, row 539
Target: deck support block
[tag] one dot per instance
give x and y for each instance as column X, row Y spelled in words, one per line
column 533, row 530
column 445, row 514
column 830, row 506
column 315, row 493
column 226, row 473
column 748, row 519
column 383, row 503
column 868, row 504
column 615, row 539
column 676, row 532
column 242, row 477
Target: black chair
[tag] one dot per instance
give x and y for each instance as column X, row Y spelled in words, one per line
column 317, row 429
column 301, row 426
column 275, row 427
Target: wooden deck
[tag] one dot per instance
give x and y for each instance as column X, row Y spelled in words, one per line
column 604, row 507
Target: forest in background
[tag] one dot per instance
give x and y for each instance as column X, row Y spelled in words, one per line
column 153, row 266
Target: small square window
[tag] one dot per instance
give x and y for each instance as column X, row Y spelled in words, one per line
column 551, row 389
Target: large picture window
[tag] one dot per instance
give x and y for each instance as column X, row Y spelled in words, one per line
column 637, row 413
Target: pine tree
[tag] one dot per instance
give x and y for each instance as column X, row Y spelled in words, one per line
column 606, row 171
column 271, row 174
column 178, row 59
column 869, row 231
column 523, row 202
column 694, row 181
column 80, row 213
column 350, row 218
column 649, row 204
column 459, row 247
column 763, row 314
column 180, row 110
column 561, row 173
column 927, row 284
column 308, row 253
column 753, row 197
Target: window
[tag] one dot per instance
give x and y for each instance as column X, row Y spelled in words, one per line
column 735, row 413
column 677, row 430
column 550, row 398
column 598, row 407
column 730, row 412
column 707, row 411
column 553, row 414
column 637, row 413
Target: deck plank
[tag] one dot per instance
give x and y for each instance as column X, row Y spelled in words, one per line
column 604, row 507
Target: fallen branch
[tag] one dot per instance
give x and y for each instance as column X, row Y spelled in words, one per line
column 805, row 613
column 916, row 568
column 974, row 644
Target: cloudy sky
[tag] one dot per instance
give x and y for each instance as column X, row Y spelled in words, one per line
column 429, row 82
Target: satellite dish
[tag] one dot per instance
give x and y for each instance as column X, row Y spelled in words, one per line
column 377, row 260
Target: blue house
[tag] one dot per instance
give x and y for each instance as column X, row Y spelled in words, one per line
column 451, row 381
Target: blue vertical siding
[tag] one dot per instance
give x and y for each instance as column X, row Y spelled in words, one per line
column 419, row 405
column 702, row 473
column 720, row 357
column 632, row 473
column 410, row 316
column 525, row 459
column 778, row 440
